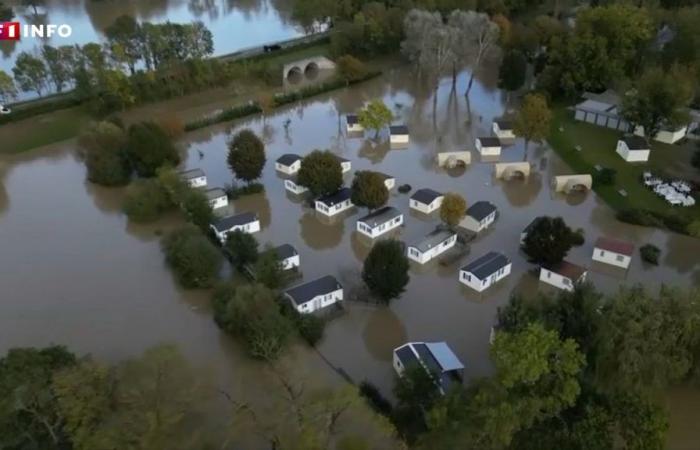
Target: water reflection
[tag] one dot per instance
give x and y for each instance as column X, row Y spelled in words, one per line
column 319, row 235
column 383, row 332
column 257, row 203
column 521, row 192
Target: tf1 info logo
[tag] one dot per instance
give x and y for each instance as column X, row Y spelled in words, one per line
column 12, row 31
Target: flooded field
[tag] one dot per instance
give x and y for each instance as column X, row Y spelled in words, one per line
column 74, row 271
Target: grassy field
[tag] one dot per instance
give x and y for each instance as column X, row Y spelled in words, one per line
column 41, row 130
column 598, row 148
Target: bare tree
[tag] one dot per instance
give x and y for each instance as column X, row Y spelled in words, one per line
column 477, row 39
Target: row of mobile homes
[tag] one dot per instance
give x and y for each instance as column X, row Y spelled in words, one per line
column 433, row 245
column 479, row 216
column 436, row 358
column 217, row 198
column 380, row 221
column 483, row 272
column 194, row 178
column 315, row 295
column 336, row 203
column 426, row 200
column 247, row 222
column 289, row 163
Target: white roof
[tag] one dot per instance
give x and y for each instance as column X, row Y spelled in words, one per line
column 444, row 356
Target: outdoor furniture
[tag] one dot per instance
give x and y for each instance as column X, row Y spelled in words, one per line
column 622, row 192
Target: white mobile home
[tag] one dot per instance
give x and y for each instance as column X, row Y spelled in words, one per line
column 380, row 221
column 503, row 129
column 345, row 164
column 434, row 244
column 485, row 271
column 194, row 178
column 398, row 134
column 488, row 146
column 217, row 198
column 426, row 200
column 333, row 204
column 479, row 216
column 288, row 256
column 614, row 252
column 315, row 295
column 434, row 357
column 353, row 124
column 292, row 186
column 247, row 222
column 633, row 149
column 667, row 136
column 564, row 275
column 602, row 110
column 289, row 163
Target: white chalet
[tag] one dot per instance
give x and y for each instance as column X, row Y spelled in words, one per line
column 217, row 197
column 479, row 216
column 288, row 256
column 288, row 163
column 426, row 200
column 633, row 149
column 483, row 272
column 613, row 252
column 398, row 134
column 488, row 146
column 434, row 244
column 247, row 222
column 503, row 129
column 315, row 295
column 194, row 178
column 380, row 221
column 333, row 204
column 345, row 164
column 564, row 275
column 353, row 124
column 436, row 358
column 293, row 187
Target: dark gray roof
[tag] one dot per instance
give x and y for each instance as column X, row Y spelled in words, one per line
column 339, row 197
column 398, row 129
column 433, row 239
column 425, row 196
column 437, row 358
column 406, row 356
column 215, row 193
column 532, row 224
column 307, row 291
column 380, row 216
column 384, row 175
column 487, row 265
column 226, row 223
column 192, row 173
column 288, row 159
column 489, row 141
column 285, row 251
column 504, row 124
column 351, row 119
column 480, row 210
column 636, row 142
column 341, row 159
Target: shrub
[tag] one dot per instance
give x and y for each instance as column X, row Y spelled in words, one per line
column 103, row 150
column 321, row 173
column 385, row 270
column 350, row 68
column 310, row 328
column 579, row 237
column 193, row 258
column 149, row 148
column 638, row 217
column 606, row 176
column 234, row 192
column 405, row 188
column 146, row 200
column 242, row 248
column 650, row 253
column 375, row 398
column 172, row 126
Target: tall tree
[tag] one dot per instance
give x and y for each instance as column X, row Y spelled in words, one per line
column 511, row 75
column 30, row 73
column 549, row 240
column 8, row 90
column 320, row 172
column 369, row 190
column 246, row 155
column 103, row 148
column 193, row 258
column 6, row 13
column 149, row 148
column 268, row 269
column 126, row 41
column 59, row 64
column 242, row 248
column 385, row 270
column 375, row 116
column 533, row 119
column 452, row 209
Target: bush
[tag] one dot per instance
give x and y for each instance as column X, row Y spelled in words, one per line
column 639, row 217
column 578, row 238
column 103, row 150
column 193, row 258
column 246, row 155
column 172, row 126
column 310, row 328
column 375, row 398
column 242, row 248
column 149, row 148
column 195, row 205
column 606, row 176
column 146, row 200
column 385, row 270
column 405, row 188
column 650, row 253
column 234, row 192
column 350, row 68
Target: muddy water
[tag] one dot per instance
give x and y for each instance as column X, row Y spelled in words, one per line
column 75, row 272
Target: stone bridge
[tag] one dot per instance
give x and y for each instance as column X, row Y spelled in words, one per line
column 305, row 65
column 510, row 170
column 450, row 160
column 571, row 183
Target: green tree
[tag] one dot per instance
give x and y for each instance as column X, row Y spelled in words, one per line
column 642, row 424
column 30, row 73
column 59, row 64
column 385, row 270
column 268, row 269
column 375, row 116
column 6, row 13
column 146, row 200
column 195, row 261
column 321, row 173
column 350, row 68
column 246, row 155
column 369, row 190
column 103, row 150
column 195, row 205
column 532, row 120
column 241, row 247
column 511, row 75
column 126, row 41
column 33, row 4
column 416, row 392
column 549, row 240
column 453, row 209
column 8, row 91
column 149, row 148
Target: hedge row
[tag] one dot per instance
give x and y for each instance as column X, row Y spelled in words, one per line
column 20, row 111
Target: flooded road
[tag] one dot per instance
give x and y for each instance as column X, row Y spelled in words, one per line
column 75, row 272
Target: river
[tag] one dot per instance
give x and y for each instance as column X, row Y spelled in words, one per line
column 74, row 271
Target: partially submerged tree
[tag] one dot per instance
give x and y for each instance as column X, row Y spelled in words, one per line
column 103, row 150
column 246, row 155
column 321, row 173
column 549, row 240
column 452, row 209
column 149, row 148
column 30, row 73
column 385, row 270
column 369, row 190
column 195, row 260
column 268, row 269
column 533, row 119
column 241, row 247
column 511, row 75
column 8, row 90
column 375, row 116
column 350, row 68
column 146, row 200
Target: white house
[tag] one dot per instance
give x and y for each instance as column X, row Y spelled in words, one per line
column 333, row 204
column 426, row 200
column 288, row 163
column 353, row 124
column 436, row 358
column 345, row 164
column 434, row 244
column 666, row 136
column 614, row 252
column 503, row 129
column 380, row 221
column 479, row 216
column 217, row 198
column 315, row 295
column 293, row 187
column 564, row 275
column 247, row 222
column 485, row 271
column 633, row 149
column 389, row 181
column 488, row 146
column 288, row 256
column 398, row 134
column 194, row 178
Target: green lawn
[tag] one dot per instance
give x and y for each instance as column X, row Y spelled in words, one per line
column 598, row 148
column 17, row 137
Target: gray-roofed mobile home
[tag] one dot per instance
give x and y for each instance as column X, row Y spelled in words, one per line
column 434, row 244
column 380, row 221
column 316, row 294
column 483, row 272
column 436, row 358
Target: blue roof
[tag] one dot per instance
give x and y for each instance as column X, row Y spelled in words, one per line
column 444, row 356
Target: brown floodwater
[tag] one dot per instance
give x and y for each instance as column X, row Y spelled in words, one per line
column 74, row 271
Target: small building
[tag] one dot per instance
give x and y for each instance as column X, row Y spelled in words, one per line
column 485, row 271
column 572, row 183
column 528, row 228
column 333, row 204
column 633, row 149
column 436, row 358
column 345, row 164
column 398, row 134
column 479, row 216
column 194, row 178
column 217, row 198
column 389, row 181
column 288, row 256
column 614, row 252
column 488, row 146
column 433, row 245
column 315, row 295
column 292, row 186
column 510, row 170
column 247, row 222
column 288, row 163
column 450, row 160
column 564, row 275
column 380, row 221
column 603, row 110
column 426, row 200
column 503, row 129
column 666, row 135
column 352, row 124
